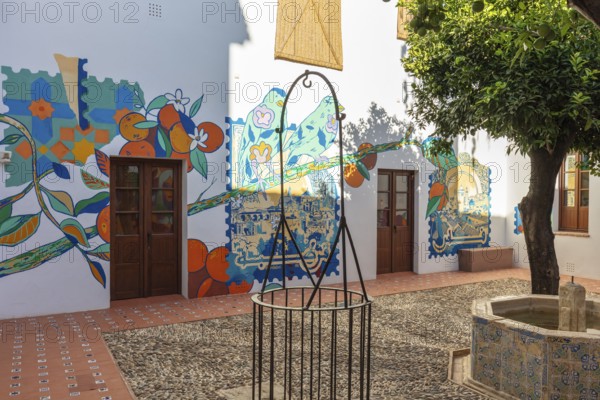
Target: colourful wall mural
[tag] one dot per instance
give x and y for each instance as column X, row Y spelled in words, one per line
column 58, row 127
column 518, row 221
column 311, row 200
column 459, row 203
column 62, row 130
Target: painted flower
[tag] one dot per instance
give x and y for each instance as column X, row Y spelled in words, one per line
column 332, row 124
column 237, row 202
column 177, row 100
column 41, row 109
column 199, row 139
column 261, row 153
column 263, row 116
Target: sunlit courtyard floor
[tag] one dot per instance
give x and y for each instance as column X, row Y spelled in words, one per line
column 200, row 346
column 412, row 336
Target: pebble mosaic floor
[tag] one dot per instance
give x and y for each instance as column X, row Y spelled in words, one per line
column 63, row 356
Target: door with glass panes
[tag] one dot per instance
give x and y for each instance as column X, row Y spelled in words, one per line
column 395, row 205
column 145, row 227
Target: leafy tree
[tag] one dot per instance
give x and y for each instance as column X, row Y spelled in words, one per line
column 527, row 71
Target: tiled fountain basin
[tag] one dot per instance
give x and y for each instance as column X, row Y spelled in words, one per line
column 515, row 359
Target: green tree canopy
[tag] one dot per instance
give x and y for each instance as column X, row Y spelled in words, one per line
column 527, row 71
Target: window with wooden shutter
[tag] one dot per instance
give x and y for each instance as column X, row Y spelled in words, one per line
column 574, row 194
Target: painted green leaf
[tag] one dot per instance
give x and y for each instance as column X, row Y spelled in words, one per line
column 5, row 213
column 198, row 159
column 11, row 139
column 60, row 201
column 93, row 182
column 102, row 252
column 364, row 171
column 196, row 106
column 74, row 231
column 14, row 198
column 164, row 142
column 93, row 205
column 15, row 230
column 40, row 255
column 157, row 102
column 433, row 205
column 146, row 124
column 98, row 272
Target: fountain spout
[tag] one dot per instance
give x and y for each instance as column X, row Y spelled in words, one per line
column 571, row 303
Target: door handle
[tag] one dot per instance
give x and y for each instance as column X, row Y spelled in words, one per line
column 148, row 239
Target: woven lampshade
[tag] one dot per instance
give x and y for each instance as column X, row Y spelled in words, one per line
column 404, row 18
column 310, row 32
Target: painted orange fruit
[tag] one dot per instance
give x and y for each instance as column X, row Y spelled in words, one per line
column 184, row 156
column 168, row 116
column 204, row 287
column 197, row 252
column 129, row 131
column 210, row 287
column 438, row 189
column 352, row 176
column 238, row 288
column 103, row 224
column 216, row 264
column 180, row 140
column 138, row 149
column 369, row 160
column 215, row 136
column 443, row 202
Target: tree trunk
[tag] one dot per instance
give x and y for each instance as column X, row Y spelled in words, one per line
column 536, row 213
column 588, row 8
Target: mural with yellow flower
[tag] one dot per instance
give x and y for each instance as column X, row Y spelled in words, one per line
column 60, row 175
column 57, row 134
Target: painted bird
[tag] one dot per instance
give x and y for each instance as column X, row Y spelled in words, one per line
column 315, row 134
column 259, row 131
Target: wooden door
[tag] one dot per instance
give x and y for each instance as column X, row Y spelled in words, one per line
column 163, row 221
column 384, row 222
column 395, row 209
column 145, row 227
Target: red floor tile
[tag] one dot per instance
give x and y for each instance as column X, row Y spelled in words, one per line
column 64, row 356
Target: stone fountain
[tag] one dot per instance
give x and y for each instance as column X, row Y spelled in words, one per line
column 537, row 346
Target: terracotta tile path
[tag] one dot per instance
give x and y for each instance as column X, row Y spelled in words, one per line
column 63, row 356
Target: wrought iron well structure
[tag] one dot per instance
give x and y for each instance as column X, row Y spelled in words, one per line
column 312, row 341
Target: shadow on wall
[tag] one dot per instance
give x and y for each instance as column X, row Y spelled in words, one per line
column 219, row 27
column 458, row 206
column 378, row 128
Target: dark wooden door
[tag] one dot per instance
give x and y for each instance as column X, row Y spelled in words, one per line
column 384, row 222
column 395, row 209
column 145, row 227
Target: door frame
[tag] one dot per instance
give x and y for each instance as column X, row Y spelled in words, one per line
column 412, row 207
column 181, row 221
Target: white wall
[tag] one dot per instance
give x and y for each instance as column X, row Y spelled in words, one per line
column 208, row 48
column 200, row 47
